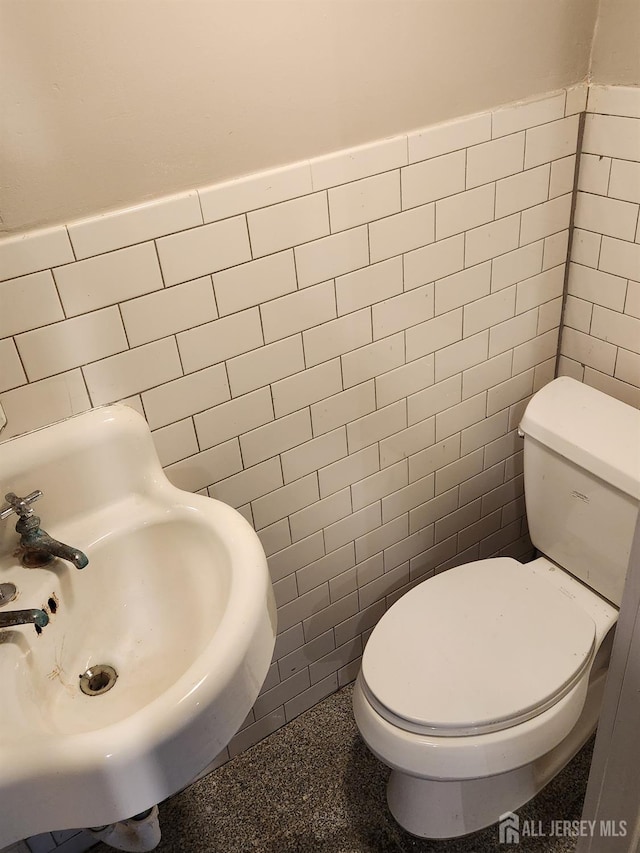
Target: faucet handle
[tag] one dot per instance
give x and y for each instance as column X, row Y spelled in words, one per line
column 21, row 506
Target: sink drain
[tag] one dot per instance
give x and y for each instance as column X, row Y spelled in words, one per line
column 98, row 679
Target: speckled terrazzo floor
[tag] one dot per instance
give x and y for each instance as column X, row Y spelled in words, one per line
column 313, row 787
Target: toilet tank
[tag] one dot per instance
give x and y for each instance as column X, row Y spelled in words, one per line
column 582, row 481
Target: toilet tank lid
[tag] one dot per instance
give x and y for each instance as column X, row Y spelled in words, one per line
column 591, row 429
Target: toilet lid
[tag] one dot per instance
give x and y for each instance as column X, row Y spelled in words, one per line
column 475, row 649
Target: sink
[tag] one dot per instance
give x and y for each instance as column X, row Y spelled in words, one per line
column 172, row 624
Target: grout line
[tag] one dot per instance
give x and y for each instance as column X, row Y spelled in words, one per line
column 636, row 231
column 549, row 180
column 175, row 340
column 574, row 196
column 86, row 385
column 57, row 290
column 599, row 250
column 295, row 268
column 246, row 225
column 126, row 335
column 22, row 364
column 155, row 246
column 193, row 425
column 202, row 222
column 326, row 198
column 215, row 301
column 73, row 248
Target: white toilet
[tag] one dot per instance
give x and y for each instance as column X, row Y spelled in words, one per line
column 482, row 682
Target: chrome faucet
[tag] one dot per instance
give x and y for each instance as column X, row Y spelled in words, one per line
column 24, row 617
column 39, row 547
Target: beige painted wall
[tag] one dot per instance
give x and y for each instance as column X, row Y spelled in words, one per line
column 108, row 102
column 616, row 47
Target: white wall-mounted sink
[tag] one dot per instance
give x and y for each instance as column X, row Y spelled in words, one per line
column 176, row 598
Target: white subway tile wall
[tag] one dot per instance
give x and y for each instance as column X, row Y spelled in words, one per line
column 601, row 328
column 341, row 349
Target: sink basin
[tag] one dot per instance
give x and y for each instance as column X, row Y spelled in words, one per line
column 176, row 604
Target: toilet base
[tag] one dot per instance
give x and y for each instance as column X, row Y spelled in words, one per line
column 432, row 808
column 429, row 808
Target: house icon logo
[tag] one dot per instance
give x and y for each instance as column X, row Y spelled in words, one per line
column 509, row 828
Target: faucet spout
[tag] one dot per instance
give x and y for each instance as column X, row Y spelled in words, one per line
column 37, row 542
column 24, row 617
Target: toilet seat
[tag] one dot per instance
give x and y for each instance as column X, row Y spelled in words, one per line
column 477, row 649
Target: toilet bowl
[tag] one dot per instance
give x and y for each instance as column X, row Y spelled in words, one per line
column 481, row 683
column 530, row 647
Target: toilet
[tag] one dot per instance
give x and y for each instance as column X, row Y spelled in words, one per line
column 482, row 682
